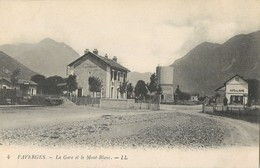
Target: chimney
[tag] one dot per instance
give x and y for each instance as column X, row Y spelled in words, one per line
column 106, row 56
column 86, row 51
column 95, row 51
column 115, row 58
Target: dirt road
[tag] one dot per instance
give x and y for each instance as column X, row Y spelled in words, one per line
column 172, row 126
column 242, row 132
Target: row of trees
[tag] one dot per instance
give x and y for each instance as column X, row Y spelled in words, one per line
column 55, row 84
column 95, row 85
column 143, row 90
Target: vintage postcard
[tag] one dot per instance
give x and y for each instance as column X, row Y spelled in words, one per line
column 115, row 83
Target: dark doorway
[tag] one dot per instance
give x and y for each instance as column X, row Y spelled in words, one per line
column 79, row 92
column 162, row 97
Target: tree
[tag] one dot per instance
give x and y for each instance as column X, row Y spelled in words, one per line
column 95, row 84
column 123, row 87
column 14, row 80
column 39, row 80
column 130, row 90
column 50, row 85
column 152, row 86
column 141, row 89
column 72, row 84
column 159, row 89
column 14, row 76
column 177, row 93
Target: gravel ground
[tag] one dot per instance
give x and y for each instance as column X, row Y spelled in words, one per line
column 155, row 130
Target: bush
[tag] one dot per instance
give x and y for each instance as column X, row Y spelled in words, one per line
column 38, row 100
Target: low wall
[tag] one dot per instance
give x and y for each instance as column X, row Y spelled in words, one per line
column 86, row 101
column 231, row 110
column 117, row 103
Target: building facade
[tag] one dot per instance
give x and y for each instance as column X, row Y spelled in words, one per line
column 26, row 87
column 164, row 76
column 109, row 71
column 235, row 90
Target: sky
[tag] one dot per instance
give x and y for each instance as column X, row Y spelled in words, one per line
column 141, row 33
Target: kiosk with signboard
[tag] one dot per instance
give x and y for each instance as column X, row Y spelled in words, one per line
column 235, row 90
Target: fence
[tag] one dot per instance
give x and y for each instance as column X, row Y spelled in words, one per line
column 250, row 114
column 240, row 110
column 182, row 102
column 10, row 96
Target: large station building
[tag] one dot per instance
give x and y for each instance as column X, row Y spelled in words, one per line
column 109, row 71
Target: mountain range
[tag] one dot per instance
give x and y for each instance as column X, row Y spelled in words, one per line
column 209, row 65
column 47, row 57
column 8, row 65
column 202, row 70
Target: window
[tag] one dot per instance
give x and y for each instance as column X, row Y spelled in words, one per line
column 112, row 74
column 115, row 75
column 112, row 92
column 238, row 98
column 118, row 75
column 233, row 98
column 124, row 76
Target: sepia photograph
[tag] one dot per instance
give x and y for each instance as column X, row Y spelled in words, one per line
column 135, row 84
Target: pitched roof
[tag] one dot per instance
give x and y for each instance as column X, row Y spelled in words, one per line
column 5, row 79
column 21, row 81
column 229, row 80
column 233, row 77
column 105, row 60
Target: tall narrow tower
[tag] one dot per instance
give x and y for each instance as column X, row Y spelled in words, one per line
column 165, row 79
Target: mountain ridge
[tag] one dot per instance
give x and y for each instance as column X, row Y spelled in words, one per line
column 208, row 65
column 9, row 64
column 43, row 55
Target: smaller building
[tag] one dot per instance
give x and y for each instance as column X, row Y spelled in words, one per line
column 235, row 90
column 25, row 87
column 194, row 97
